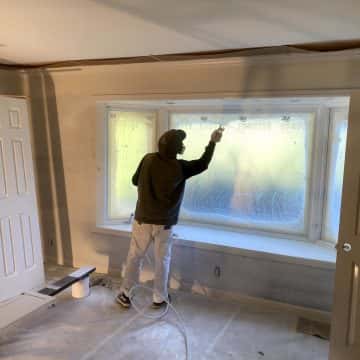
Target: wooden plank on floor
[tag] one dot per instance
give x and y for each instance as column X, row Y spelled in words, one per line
column 62, row 284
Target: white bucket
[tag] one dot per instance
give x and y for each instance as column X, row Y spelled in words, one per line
column 81, row 288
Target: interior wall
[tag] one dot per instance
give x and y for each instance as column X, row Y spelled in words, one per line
column 64, row 114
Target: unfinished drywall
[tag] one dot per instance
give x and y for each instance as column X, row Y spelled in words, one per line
column 63, row 107
column 11, row 83
column 112, row 28
column 52, row 197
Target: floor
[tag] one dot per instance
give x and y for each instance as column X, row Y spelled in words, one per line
column 98, row 328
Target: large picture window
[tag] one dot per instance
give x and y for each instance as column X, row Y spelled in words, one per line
column 260, row 175
column 278, row 170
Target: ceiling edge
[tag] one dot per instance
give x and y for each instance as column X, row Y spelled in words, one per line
column 319, row 47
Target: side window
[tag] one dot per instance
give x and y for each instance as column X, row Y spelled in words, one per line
column 130, row 136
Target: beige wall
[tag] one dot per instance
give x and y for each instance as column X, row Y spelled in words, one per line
column 66, row 129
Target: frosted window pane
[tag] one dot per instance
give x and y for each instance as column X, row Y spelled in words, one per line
column 130, row 137
column 260, row 173
column 337, row 143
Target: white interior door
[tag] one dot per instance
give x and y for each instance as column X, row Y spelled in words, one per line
column 345, row 333
column 21, row 262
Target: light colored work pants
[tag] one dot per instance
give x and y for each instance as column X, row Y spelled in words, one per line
column 142, row 236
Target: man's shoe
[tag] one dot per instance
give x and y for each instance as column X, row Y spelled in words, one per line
column 123, row 300
column 162, row 304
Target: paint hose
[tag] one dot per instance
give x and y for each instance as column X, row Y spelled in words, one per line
column 162, row 314
column 105, row 282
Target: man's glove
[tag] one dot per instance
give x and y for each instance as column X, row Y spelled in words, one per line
column 217, row 134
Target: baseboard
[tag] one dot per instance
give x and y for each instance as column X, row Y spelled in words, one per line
column 53, row 260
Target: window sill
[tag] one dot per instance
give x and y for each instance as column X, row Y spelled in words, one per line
column 234, row 243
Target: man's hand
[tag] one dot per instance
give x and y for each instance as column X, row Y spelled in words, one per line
column 217, row 134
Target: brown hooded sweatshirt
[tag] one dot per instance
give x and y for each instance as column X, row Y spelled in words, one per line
column 160, row 179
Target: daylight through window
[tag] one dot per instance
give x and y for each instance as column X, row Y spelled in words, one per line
column 262, row 175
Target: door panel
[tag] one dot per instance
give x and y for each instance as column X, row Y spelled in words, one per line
column 20, row 171
column 21, row 264
column 353, row 339
column 27, row 240
column 3, row 186
column 345, row 334
column 7, row 245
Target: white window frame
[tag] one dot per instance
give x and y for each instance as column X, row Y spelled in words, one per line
column 103, row 109
column 316, row 188
column 318, row 169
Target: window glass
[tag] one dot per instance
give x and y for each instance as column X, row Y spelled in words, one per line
column 130, row 137
column 336, row 161
column 260, row 173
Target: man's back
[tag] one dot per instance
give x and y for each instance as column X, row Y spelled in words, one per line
column 161, row 183
column 160, row 178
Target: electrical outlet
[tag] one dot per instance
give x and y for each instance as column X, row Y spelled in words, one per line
column 217, row 271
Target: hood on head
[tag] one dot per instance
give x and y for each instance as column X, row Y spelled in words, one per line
column 170, row 143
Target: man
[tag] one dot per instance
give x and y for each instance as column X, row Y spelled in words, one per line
column 160, row 178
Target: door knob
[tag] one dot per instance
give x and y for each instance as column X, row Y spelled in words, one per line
column 347, row 247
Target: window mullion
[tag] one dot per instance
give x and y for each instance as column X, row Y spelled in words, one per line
column 329, row 223
column 162, row 123
column 318, row 177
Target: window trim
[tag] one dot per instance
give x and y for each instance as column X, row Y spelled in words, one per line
column 318, row 173
column 101, row 161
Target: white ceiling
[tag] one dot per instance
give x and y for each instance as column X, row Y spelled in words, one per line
column 40, row 31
